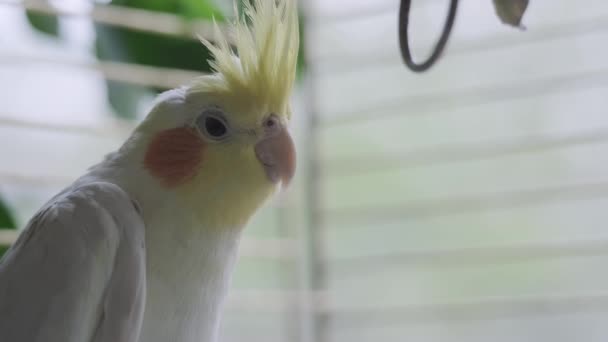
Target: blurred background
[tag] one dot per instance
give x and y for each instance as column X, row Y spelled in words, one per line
column 463, row 204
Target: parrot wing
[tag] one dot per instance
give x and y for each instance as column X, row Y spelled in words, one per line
column 77, row 272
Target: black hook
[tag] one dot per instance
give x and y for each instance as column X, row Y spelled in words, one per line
column 404, row 16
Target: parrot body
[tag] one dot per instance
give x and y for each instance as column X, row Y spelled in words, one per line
column 84, row 265
column 141, row 248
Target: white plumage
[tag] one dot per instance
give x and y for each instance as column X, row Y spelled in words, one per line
column 78, row 271
column 141, row 248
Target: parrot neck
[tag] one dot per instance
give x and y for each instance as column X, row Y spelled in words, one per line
column 189, row 269
column 188, row 261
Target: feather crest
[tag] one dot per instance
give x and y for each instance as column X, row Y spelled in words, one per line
column 263, row 67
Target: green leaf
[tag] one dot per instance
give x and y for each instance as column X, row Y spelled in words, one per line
column 44, row 23
column 6, row 222
column 127, row 46
column 200, row 9
column 123, row 45
column 6, row 218
column 301, row 67
column 124, row 98
column 3, row 250
column 168, row 6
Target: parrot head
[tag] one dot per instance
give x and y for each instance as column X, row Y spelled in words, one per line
column 221, row 143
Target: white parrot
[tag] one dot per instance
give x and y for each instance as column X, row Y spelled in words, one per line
column 142, row 246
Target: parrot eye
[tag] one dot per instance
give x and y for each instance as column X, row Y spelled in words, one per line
column 271, row 124
column 215, row 127
column 212, row 125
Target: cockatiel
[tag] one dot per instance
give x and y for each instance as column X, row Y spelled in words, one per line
column 142, row 246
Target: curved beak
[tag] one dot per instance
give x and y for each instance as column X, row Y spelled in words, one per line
column 278, row 157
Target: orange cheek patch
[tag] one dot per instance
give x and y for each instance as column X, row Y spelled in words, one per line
column 174, row 155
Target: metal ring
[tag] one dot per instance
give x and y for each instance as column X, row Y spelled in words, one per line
column 404, row 16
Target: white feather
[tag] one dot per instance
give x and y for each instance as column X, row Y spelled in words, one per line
column 77, row 272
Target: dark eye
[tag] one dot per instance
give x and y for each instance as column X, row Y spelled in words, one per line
column 215, row 127
column 271, row 123
column 212, row 125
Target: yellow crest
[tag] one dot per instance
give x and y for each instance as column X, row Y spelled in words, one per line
column 263, row 67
